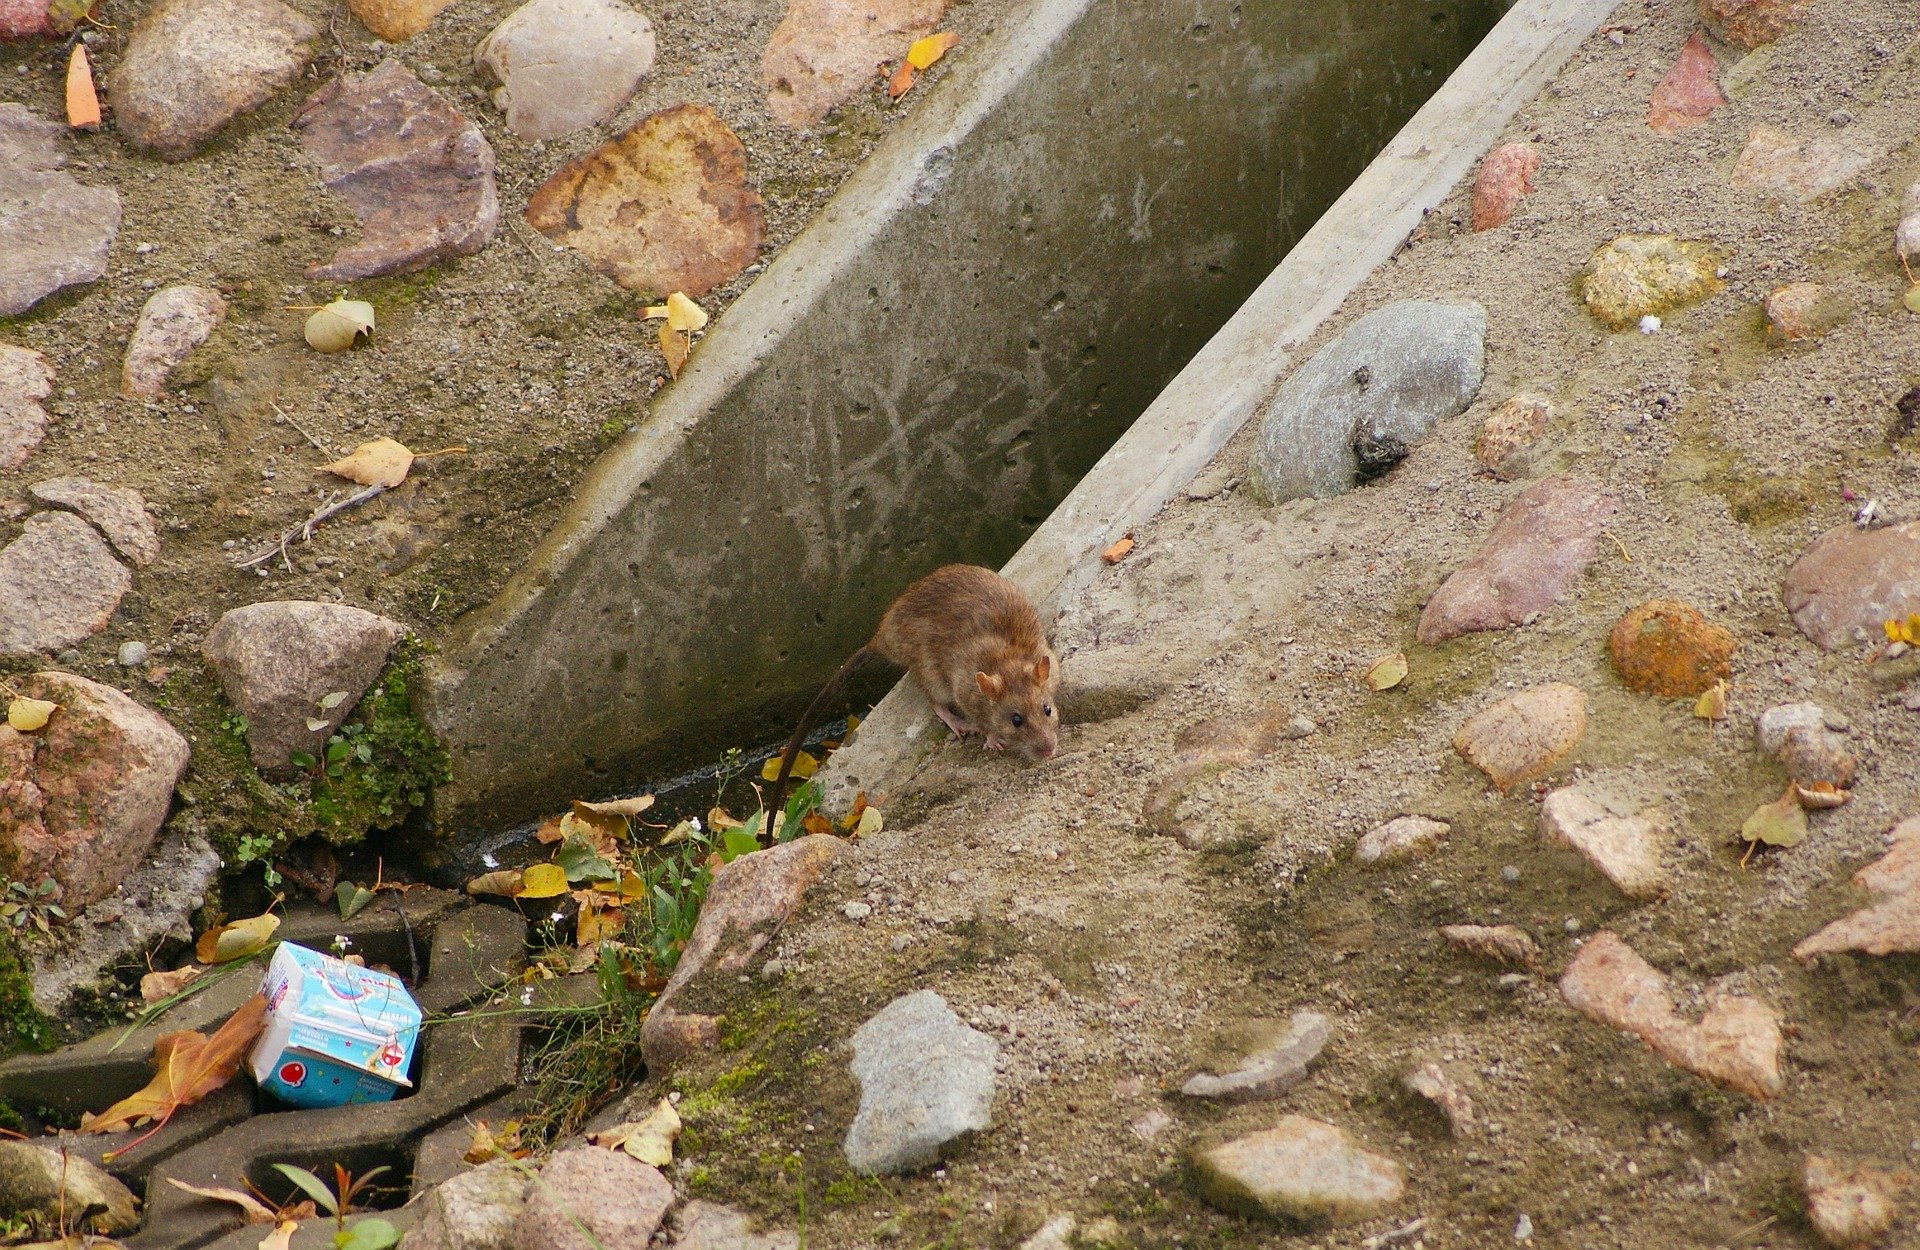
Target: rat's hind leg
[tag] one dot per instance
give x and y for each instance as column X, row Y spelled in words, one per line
column 959, row 727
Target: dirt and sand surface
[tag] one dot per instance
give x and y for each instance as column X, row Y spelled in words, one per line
column 1109, row 962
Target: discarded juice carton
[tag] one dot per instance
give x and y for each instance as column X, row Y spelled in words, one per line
column 336, row 1033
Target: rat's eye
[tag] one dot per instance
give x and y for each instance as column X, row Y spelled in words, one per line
column 1046, row 709
column 1018, row 720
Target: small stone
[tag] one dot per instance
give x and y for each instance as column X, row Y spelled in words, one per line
column 709, row 1226
column 474, row 1210
column 1205, row 749
column 1774, row 161
column 564, row 65
column 1625, row 849
column 82, row 799
column 417, row 173
column 117, row 512
column 619, row 1199
column 1510, row 944
column 1302, row 1170
column 1273, row 1067
column 1301, row 727
column 1850, row 1206
column 1688, row 92
column 1640, row 274
column 1380, row 386
column 1506, row 176
column 1891, row 922
column 1802, row 311
column 192, row 66
column 1649, row 324
column 25, row 379
column 131, row 654
column 277, row 662
column 926, row 1081
column 396, row 20
column 54, row 232
column 47, row 1187
column 1736, row 1043
column 1668, row 649
column 59, row 585
column 856, row 910
column 1751, row 23
column 824, row 52
column 1055, row 1234
column 1432, row 1082
column 666, row 206
column 1519, row 738
column 1513, row 427
column 1403, row 837
column 1854, row 580
column 1797, row 735
column 746, row 904
column 174, row 322
column 1541, row 542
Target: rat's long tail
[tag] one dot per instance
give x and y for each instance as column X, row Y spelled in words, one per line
column 778, row 794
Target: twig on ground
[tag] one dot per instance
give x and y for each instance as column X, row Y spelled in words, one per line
column 304, row 530
column 305, row 433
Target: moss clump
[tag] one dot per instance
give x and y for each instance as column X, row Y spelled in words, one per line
column 22, row 1026
column 383, row 762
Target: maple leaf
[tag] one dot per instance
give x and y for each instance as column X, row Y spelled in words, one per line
column 187, row 1067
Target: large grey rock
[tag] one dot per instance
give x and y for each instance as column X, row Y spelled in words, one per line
column 563, row 65
column 59, row 585
column 710, row 1226
column 279, row 661
column 117, row 512
column 1851, row 581
column 1300, row 1169
column 192, row 66
column 82, row 798
column 1541, row 542
column 475, row 1210
column 1270, row 1069
column 619, row 1199
column 1369, row 394
column 43, row 1186
column 26, row 378
column 926, row 1080
column 54, row 232
column 173, row 322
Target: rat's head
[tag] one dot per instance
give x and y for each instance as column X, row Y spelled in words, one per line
column 1019, row 690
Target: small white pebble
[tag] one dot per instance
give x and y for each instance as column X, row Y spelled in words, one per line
column 132, row 654
column 1523, row 1228
column 856, row 910
column 1649, row 324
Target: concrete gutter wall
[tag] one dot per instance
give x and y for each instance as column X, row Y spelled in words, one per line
column 923, row 374
column 1225, row 384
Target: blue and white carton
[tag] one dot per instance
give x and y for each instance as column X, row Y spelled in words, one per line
column 336, row 1033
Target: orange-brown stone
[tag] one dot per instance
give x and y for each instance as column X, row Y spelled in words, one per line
column 1668, row 649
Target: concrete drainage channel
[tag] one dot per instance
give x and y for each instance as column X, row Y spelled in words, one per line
column 232, row 1138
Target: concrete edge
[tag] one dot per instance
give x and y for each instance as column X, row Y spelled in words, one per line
column 1223, row 386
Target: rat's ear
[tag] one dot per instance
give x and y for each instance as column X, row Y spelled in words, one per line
column 1044, row 667
column 990, row 684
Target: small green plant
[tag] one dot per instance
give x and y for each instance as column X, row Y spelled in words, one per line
column 31, row 905
column 258, row 848
column 338, row 1202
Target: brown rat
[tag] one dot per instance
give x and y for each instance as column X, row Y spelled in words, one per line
column 972, row 640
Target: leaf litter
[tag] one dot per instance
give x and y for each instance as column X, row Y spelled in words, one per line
column 187, row 1067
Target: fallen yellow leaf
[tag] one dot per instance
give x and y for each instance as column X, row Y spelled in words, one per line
column 675, row 346
column 281, row 1237
column 616, row 807
column 27, row 715
column 337, row 326
column 649, row 1140
column 382, row 462
column 804, row 766
column 869, row 824
column 1386, row 672
column 925, row 52
column 1782, row 822
column 237, row 940
column 1712, row 703
column 500, row 881
column 543, row 881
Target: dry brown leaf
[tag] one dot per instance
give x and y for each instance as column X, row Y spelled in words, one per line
column 256, row 1211
column 83, row 102
column 676, row 346
column 901, row 82
column 503, row 881
column 382, row 462
column 158, row 985
column 187, row 1067
column 600, row 918
column 1119, row 550
column 1820, row 796
column 616, row 807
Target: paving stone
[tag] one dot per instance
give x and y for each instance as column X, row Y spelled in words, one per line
column 396, row 20
column 54, row 231
column 1505, row 178
column 1519, row 738
column 564, row 65
column 26, row 378
column 1271, row 1068
column 1735, row 1044
column 1775, row 161
column 475, row 1210
column 1302, row 1170
column 1507, row 943
column 1626, row 849
column 1751, row 23
column 59, row 585
column 116, row 511
column 1640, row 275
column 1403, row 837
column 825, row 52
column 1891, row 922
column 709, row 1226
column 1512, row 428
column 926, row 1082
column 747, row 902
column 1851, row 1206
column 192, row 66
column 1851, row 581
column 1688, row 92
column 174, row 321
column 1798, row 736
column 1366, row 397
column 1540, row 543
column 278, row 661
column 620, row 1200
column 1801, row 312
column 664, row 207
column 417, row 173
column 1431, row 1081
